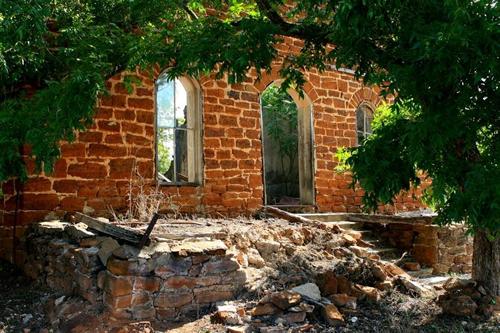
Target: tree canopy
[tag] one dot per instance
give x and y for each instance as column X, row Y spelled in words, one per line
column 440, row 58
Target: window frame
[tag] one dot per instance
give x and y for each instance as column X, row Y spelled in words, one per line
column 194, row 106
column 365, row 108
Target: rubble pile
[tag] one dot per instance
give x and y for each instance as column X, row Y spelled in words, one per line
column 466, row 298
column 285, row 276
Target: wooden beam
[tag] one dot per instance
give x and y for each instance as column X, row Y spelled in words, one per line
column 147, row 233
column 276, row 212
column 110, row 229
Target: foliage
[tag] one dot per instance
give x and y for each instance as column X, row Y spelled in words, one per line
column 54, row 59
column 439, row 57
column 164, row 154
column 280, row 119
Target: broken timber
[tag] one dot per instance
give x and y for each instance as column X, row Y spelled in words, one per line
column 110, row 229
column 147, row 233
column 276, row 212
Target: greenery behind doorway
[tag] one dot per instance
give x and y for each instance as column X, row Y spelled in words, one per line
column 279, row 115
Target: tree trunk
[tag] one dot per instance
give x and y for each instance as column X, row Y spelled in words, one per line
column 486, row 262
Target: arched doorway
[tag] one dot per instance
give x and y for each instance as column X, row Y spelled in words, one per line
column 287, row 147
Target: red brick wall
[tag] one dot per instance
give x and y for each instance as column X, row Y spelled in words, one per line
column 94, row 172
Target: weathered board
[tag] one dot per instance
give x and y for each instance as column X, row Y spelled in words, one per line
column 110, row 229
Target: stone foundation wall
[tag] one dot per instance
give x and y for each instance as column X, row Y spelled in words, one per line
column 158, row 283
column 445, row 249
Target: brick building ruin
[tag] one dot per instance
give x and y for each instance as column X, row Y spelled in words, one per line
column 209, row 149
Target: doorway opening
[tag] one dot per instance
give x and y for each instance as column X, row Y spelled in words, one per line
column 287, row 147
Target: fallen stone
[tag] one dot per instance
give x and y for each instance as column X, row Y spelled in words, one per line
column 394, row 271
column 359, row 251
column 344, row 286
column 255, row 259
column 379, row 273
column 327, row 283
column 417, row 288
column 302, row 307
column 228, row 314
column 265, row 310
column 308, row 290
column 456, row 283
column 285, row 299
column 78, row 231
column 411, row 266
column 294, row 317
column 344, row 300
column 295, row 236
column 370, row 293
column 242, row 259
column 354, row 234
column 332, row 315
column 106, row 248
column 267, row 247
column 348, row 240
column 461, row 305
column 384, row 285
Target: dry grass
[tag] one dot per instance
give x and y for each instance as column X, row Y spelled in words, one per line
column 144, row 200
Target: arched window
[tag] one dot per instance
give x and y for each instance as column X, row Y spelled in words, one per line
column 178, row 135
column 364, row 118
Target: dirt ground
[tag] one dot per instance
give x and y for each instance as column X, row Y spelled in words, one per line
column 21, row 302
column 22, row 310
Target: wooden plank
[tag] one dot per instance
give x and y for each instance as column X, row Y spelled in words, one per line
column 287, row 216
column 110, row 229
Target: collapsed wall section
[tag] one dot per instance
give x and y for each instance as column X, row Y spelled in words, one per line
column 159, row 283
